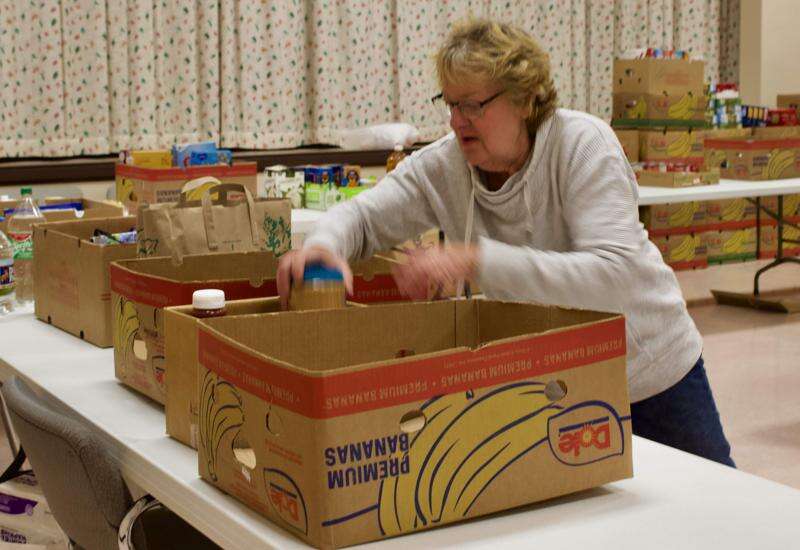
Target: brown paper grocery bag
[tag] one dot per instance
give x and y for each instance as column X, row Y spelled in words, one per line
column 221, row 225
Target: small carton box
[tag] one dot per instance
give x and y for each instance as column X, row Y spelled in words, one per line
column 417, row 415
column 633, row 110
column 672, row 145
column 137, row 184
column 682, row 252
column 734, row 245
column 161, row 158
column 629, row 139
column 658, row 76
column 655, row 178
column 673, row 218
column 71, row 289
column 738, row 213
column 754, row 159
column 769, row 241
column 79, row 208
column 142, row 288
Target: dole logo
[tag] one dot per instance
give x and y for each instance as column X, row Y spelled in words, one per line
column 286, row 499
column 586, row 433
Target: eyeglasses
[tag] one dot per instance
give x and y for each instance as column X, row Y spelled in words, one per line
column 470, row 109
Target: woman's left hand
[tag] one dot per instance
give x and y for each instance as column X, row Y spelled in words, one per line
column 430, row 270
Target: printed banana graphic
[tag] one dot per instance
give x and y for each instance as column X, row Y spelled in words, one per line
column 733, row 210
column 197, row 193
column 681, row 147
column 734, row 244
column 779, row 161
column 683, row 109
column 220, row 413
column 715, row 158
column 639, row 110
column 684, row 215
column 126, row 329
column 463, row 446
column 685, row 251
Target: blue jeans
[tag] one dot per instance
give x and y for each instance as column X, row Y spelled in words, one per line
column 685, row 417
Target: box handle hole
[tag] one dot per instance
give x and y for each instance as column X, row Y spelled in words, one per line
column 243, row 452
column 555, row 390
column 412, row 422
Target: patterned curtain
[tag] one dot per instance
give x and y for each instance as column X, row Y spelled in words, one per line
column 85, row 77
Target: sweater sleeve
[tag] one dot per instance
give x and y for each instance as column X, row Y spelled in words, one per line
column 599, row 198
column 394, row 211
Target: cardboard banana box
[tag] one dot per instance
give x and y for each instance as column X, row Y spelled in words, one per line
column 137, row 184
column 142, row 288
column 738, row 213
column 754, row 159
column 791, row 207
column 635, row 110
column 672, row 145
column 674, row 218
column 682, row 252
column 629, row 139
column 768, row 244
column 658, row 76
column 414, row 416
column 731, row 245
column 71, row 289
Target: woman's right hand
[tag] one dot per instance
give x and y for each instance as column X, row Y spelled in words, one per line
column 292, row 265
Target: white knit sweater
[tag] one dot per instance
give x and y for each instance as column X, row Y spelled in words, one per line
column 563, row 230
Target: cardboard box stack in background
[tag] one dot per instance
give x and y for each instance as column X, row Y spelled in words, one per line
column 658, row 93
column 372, row 283
column 730, row 245
column 71, row 289
column 417, row 415
column 672, row 146
column 629, row 139
column 673, row 228
column 789, row 101
column 769, row 231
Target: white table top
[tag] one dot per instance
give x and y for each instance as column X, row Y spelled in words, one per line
column 726, row 189
column 675, row 500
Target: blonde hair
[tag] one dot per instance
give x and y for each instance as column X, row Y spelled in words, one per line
column 502, row 54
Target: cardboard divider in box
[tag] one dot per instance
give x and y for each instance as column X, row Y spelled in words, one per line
column 673, row 218
column 754, row 159
column 143, row 287
column 768, row 243
column 80, row 209
column 71, row 289
column 413, row 416
column 730, row 245
column 654, row 178
column 138, row 184
column 682, row 252
column 180, row 359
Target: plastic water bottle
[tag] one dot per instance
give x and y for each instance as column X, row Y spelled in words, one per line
column 6, row 275
column 20, row 231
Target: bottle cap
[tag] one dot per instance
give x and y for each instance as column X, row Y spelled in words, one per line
column 320, row 272
column 26, row 191
column 208, row 298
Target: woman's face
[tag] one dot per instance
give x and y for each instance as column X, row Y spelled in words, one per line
column 495, row 141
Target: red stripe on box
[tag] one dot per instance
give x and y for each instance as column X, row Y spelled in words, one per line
column 381, row 288
column 335, row 395
column 191, row 172
column 160, row 292
column 752, row 144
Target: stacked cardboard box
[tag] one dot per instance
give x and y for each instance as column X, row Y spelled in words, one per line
column 768, row 245
column 754, row 159
column 675, row 229
column 658, row 93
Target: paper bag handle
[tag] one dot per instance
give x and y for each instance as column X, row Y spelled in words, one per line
column 208, row 212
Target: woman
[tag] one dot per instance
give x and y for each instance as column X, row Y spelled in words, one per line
column 546, row 206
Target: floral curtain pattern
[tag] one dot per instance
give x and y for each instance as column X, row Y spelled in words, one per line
column 87, row 77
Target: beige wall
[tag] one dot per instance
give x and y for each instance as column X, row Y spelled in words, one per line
column 769, row 50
